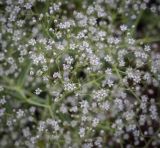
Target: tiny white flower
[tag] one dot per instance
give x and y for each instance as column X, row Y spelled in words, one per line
column 38, row 91
column 123, row 27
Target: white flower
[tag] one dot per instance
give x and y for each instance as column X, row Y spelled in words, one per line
column 100, row 94
column 95, row 122
column 82, row 132
column 106, row 105
column 38, row 91
column 108, row 59
column 110, row 82
column 123, row 27
column 69, row 86
column 20, row 113
column 2, row 111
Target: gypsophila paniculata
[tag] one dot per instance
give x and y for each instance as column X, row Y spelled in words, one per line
column 79, row 73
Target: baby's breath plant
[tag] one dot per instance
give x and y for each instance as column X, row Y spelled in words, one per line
column 79, row 73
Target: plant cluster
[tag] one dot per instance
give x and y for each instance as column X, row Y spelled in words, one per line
column 79, row 73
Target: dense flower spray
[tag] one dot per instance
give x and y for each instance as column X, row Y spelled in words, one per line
column 79, row 73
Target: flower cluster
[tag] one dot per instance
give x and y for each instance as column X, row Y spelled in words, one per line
column 79, row 73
